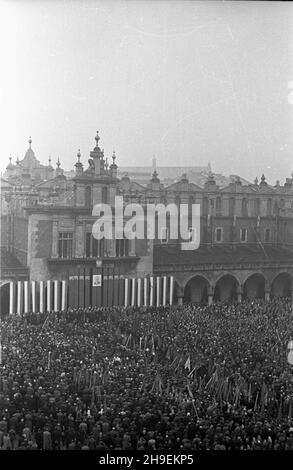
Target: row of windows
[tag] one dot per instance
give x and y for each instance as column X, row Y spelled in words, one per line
column 219, row 235
column 270, row 209
column 93, row 248
column 208, row 205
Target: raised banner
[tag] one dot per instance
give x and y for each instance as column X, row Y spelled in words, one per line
column 64, row 295
column 116, row 289
column 81, row 288
column 105, row 287
column 75, row 280
column 71, row 289
column 87, row 287
column 121, row 289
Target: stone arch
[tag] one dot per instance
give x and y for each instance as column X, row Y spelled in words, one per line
column 254, row 286
column 196, row 289
column 282, row 285
column 4, row 298
column 226, row 288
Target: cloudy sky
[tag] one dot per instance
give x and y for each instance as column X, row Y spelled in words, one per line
column 188, row 82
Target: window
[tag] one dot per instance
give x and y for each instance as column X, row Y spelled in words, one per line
column 267, row 235
column 65, row 243
column 94, row 248
column 98, row 248
column 243, row 235
column 231, row 206
column 164, row 235
column 218, row 205
column 219, row 234
column 122, row 247
column 88, row 196
column 104, row 195
column 244, row 211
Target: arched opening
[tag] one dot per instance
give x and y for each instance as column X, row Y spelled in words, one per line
column 254, row 287
column 226, row 289
column 281, row 285
column 4, row 299
column 196, row 290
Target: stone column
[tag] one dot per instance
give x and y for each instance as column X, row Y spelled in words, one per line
column 210, row 295
column 180, row 294
column 267, row 291
column 239, row 292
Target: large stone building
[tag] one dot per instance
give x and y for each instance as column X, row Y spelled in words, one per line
column 246, row 231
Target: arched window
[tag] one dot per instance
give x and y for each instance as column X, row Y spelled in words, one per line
column 88, row 196
column 244, row 211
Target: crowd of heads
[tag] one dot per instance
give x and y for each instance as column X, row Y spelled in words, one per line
column 176, row 378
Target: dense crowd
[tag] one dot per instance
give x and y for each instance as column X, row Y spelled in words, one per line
column 172, row 378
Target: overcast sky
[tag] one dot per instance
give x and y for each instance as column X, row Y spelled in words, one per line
column 188, row 82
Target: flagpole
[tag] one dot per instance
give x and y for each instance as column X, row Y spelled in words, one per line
column 113, row 286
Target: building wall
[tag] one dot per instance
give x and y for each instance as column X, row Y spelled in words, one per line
column 20, row 239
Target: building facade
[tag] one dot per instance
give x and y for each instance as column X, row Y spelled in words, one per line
column 246, row 231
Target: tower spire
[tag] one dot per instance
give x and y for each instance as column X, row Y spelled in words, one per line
column 97, row 138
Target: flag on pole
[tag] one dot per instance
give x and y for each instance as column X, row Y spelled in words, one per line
column 255, row 403
column 280, row 410
column 263, row 396
column 290, row 353
column 187, row 364
column 290, row 410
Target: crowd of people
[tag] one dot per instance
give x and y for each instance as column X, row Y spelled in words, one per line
column 176, row 378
